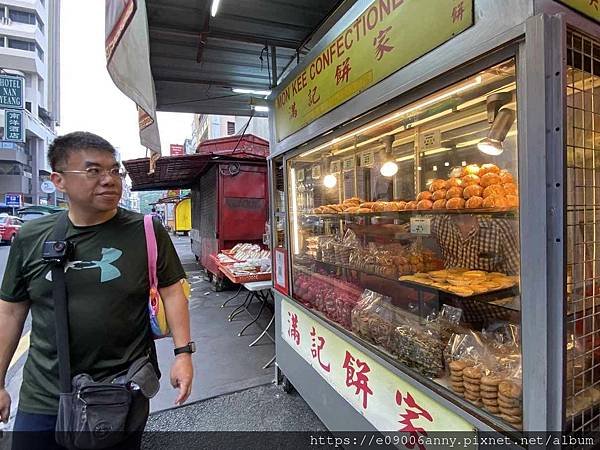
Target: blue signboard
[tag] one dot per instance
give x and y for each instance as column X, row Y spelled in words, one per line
column 12, row 91
column 13, row 200
column 14, row 129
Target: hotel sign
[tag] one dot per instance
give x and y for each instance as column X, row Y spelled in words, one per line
column 11, row 92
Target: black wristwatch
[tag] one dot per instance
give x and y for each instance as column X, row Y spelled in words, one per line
column 189, row 348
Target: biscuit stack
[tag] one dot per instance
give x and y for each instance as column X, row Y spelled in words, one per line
column 456, row 376
column 472, row 383
column 510, row 403
column 489, row 393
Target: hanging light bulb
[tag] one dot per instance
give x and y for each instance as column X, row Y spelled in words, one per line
column 329, row 181
column 389, row 167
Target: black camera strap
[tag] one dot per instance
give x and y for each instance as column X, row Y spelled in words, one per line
column 59, row 293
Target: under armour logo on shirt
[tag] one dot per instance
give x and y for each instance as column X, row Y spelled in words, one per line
column 108, row 272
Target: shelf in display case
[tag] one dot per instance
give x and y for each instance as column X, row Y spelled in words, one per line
column 498, row 298
column 496, row 212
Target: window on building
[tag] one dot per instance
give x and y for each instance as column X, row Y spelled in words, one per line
column 28, row 106
column 1, row 41
column 40, row 24
column 21, row 16
column 21, row 45
column 40, row 52
column 230, row 128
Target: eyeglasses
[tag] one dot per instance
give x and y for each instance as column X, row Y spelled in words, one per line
column 94, row 173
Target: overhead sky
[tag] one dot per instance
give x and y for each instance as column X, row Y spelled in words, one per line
column 89, row 99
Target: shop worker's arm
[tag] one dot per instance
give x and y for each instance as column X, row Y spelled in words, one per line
column 178, row 318
column 12, row 318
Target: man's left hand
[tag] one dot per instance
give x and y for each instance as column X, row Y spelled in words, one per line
column 182, row 374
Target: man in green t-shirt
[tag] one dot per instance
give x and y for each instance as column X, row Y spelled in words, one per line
column 107, row 283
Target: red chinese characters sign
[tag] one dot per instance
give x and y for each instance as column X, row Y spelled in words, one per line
column 356, row 376
column 380, row 396
column 318, row 342
column 387, row 36
column 293, row 328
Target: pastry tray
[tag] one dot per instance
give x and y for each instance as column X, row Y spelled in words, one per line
column 448, row 291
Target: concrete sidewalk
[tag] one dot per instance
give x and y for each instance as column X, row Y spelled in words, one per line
column 231, row 390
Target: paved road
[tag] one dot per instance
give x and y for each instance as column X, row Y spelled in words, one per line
column 3, row 257
column 15, row 371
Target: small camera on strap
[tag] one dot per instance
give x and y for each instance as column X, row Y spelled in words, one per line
column 57, row 251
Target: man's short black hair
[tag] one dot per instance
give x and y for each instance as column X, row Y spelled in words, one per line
column 62, row 147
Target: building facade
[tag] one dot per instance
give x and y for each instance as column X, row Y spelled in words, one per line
column 30, row 47
column 208, row 126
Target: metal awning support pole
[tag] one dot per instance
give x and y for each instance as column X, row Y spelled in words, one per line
column 273, row 66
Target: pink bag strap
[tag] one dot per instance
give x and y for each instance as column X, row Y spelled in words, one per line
column 151, row 249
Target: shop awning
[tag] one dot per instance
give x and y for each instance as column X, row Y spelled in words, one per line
column 197, row 59
column 172, row 55
column 176, row 172
column 182, row 172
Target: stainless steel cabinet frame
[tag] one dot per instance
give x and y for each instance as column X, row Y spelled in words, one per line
column 556, row 51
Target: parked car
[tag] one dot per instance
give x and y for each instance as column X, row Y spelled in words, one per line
column 33, row 212
column 9, row 228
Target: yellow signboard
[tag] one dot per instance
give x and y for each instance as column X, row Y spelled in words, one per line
column 590, row 8
column 384, row 399
column 386, row 37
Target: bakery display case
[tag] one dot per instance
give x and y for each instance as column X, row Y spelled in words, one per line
column 422, row 255
column 442, row 226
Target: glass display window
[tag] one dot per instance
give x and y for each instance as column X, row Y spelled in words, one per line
column 404, row 233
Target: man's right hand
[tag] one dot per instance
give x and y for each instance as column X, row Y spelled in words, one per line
column 4, row 405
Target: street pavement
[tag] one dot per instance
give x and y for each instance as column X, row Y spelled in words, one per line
column 14, row 375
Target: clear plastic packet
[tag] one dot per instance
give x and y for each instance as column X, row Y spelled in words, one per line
column 342, row 254
column 471, row 348
column 328, row 249
column 418, row 347
column 447, row 323
column 350, row 239
column 384, row 264
column 372, row 317
column 359, row 316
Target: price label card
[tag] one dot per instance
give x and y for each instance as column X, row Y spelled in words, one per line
column 336, row 167
column 367, row 159
column 420, row 225
column 316, row 172
column 348, row 163
column 430, row 140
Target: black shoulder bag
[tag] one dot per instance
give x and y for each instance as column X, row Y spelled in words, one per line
column 91, row 414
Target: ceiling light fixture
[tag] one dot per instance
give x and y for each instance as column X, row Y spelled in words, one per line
column 493, row 143
column 258, row 108
column 389, row 167
column 250, row 91
column 329, row 181
column 214, row 7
